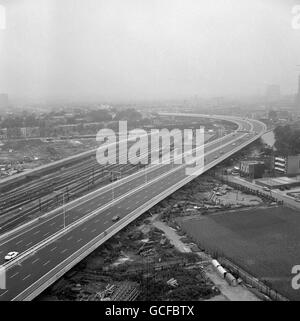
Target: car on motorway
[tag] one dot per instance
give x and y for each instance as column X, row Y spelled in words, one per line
column 115, row 218
column 11, row 255
column 266, row 189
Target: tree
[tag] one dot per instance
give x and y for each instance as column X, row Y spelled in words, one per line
column 287, row 140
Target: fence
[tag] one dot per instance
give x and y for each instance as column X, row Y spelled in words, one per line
column 246, row 277
column 242, row 274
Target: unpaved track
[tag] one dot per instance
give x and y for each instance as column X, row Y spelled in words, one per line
column 229, row 293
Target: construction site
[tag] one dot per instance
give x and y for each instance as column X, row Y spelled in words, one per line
column 155, row 259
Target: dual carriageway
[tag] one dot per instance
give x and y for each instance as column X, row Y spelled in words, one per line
column 53, row 244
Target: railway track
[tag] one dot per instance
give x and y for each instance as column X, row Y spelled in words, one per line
column 47, row 193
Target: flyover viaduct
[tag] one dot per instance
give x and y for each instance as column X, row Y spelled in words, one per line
column 51, row 246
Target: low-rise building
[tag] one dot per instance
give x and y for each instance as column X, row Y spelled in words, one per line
column 252, row 169
column 278, row 182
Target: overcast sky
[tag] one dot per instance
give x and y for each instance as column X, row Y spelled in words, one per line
column 146, row 49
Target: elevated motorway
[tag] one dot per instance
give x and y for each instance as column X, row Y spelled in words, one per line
column 52, row 245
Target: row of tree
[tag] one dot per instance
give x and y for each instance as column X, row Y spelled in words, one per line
column 287, row 140
column 101, row 115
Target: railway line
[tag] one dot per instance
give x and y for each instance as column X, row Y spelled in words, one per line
column 62, row 238
column 56, row 189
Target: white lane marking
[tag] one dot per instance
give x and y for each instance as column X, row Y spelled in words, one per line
column 213, row 143
column 46, row 234
column 94, row 230
column 53, row 249
column 84, row 229
column 69, row 238
column 19, row 242
column 29, row 244
column 63, row 251
column 52, row 223
column 79, row 240
column 4, row 293
column 26, row 277
column 37, row 232
column 46, row 263
column 97, row 220
column 106, row 222
column 36, row 260
column 12, row 276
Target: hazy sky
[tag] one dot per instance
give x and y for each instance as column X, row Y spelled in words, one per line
column 146, row 49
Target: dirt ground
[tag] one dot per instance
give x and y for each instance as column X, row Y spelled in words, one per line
column 139, row 262
column 228, row 293
column 28, row 154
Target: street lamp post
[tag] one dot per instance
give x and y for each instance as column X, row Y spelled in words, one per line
column 113, row 188
column 64, row 210
column 146, row 178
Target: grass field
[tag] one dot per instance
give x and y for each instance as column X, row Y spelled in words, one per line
column 264, row 242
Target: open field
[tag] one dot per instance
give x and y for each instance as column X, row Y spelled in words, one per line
column 263, row 242
column 37, row 152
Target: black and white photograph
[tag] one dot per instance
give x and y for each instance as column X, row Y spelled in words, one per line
column 149, row 154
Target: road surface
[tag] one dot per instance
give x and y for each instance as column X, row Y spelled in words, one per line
column 40, row 258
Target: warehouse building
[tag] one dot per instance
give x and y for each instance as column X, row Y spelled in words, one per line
column 252, row 169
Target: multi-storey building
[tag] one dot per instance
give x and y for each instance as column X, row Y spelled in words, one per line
column 289, row 165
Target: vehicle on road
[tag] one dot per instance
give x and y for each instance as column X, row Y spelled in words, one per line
column 116, row 218
column 266, row 189
column 11, row 255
